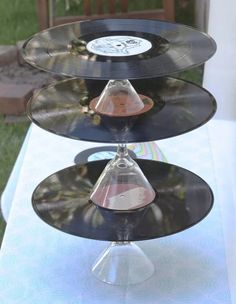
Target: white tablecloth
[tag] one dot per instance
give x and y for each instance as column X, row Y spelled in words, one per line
column 39, row 264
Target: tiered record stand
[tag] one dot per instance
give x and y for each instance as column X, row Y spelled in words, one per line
column 123, row 200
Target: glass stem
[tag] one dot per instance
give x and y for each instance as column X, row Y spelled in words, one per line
column 121, row 243
column 122, row 150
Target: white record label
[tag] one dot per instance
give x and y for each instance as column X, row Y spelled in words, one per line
column 118, row 46
column 102, row 155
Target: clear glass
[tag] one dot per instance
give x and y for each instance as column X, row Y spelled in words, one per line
column 119, row 98
column 122, row 184
column 123, row 263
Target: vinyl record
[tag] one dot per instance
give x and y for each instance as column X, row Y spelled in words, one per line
column 183, row 199
column 179, row 106
column 98, row 153
column 118, row 49
column 148, row 150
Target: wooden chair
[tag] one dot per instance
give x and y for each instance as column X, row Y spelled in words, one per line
column 47, row 18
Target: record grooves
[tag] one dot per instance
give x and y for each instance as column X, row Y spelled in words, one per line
column 133, row 200
column 62, row 201
column 64, row 49
column 158, row 46
column 179, row 106
column 98, row 153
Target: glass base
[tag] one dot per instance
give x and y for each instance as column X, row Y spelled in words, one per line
column 123, row 263
column 119, row 99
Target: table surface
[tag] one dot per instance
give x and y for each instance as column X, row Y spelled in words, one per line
column 39, row 264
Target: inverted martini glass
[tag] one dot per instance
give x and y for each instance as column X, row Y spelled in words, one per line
column 122, row 185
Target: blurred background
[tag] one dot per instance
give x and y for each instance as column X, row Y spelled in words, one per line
column 19, row 19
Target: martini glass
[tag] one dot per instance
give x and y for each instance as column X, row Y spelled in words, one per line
column 123, row 263
column 122, row 185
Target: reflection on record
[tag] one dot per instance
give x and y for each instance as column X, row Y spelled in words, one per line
column 179, row 106
column 62, row 200
column 118, row 49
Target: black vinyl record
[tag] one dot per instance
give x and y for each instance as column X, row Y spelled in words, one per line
column 183, row 199
column 118, row 49
column 98, row 153
column 179, row 106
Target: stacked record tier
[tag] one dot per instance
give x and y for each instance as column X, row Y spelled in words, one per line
column 183, row 199
column 179, row 106
column 126, row 201
column 118, row 49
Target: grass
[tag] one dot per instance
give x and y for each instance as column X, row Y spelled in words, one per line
column 18, row 20
column 12, row 136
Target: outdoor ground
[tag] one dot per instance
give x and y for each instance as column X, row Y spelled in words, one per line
column 18, row 21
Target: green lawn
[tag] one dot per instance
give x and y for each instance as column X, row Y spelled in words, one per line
column 18, row 20
column 12, row 136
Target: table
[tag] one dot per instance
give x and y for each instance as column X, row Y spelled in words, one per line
column 39, row 264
